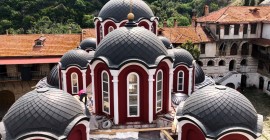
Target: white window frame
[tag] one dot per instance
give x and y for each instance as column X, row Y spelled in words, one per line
column 72, row 85
column 102, row 91
column 183, row 80
column 110, row 29
column 138, row 95
column 157, row 90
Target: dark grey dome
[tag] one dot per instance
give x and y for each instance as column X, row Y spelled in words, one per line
column 131, row 43
column 167, row 43
column 199, row 74
column 219, row 108
column 119, row 9
column 42, row 110
column 76, row 57
column 88, row 44
column 182, row 56
column 52, row 78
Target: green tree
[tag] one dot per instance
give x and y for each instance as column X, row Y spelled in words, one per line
column 192, row 49
column 88, row 21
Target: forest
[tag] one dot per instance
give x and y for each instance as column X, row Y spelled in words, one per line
column 60, row 16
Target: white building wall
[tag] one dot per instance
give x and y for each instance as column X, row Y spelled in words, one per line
column 210, row 50
column 266, row 31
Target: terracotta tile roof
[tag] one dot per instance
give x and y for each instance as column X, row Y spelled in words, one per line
column 179, row 35
column 238, row 14
column 23, row 45
column 89, row 32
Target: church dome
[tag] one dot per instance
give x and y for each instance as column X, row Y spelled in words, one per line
column 52, row 78
column 76, row 57
column 131, row 44
column 167, row 43
column 88, row 44
column 219, row 108
column 199, row 74
column 46, row 110
column 182, row 56
column 118, row 10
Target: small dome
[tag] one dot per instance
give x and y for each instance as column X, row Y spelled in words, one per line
column 182, row 56
column 76, row 57
column 167, row 43
column 131, row 43
column 119, row 9
column 219, row 108
column 42, row 110
column 52, row 78
column 199, row 74
column 88, row 44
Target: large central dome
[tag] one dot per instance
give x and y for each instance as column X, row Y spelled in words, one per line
column 118, row 10
column 131, row 44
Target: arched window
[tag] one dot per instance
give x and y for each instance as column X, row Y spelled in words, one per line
column 210, row 63
column 180, row 86
column 243, row 62
column 74, row 83
column 268, row 86
column 222, row 49
column 200, row 63
column 245, row 49
column 133, row 98
column 233, row 49
column 159, row 91
column 111, row 29
column 221, row 63
column 101, row 32
column 105, row 92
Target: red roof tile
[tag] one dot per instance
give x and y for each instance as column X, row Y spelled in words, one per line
column 87, row 33
column 238, row 14
column 23, row 45
column 179, row 35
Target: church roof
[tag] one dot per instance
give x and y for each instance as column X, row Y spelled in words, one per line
column 131, row 44
column 42, row 110
column 118, row 10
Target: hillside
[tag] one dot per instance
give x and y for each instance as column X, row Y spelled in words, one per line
column 59, row 16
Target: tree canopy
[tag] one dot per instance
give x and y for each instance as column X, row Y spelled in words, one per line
column 60, row 16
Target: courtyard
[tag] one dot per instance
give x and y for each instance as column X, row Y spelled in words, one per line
column 261, row 102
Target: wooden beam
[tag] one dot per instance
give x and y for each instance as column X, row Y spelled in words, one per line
column 114, row 131
column 167, row 135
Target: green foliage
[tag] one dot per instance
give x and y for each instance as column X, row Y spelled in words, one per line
column 191, row 48
column 57, row 16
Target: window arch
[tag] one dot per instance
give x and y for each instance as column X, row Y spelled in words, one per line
column 222, row 49
column 233, row 49
column 200, row 63
column 245, row 49
column 110, row 29
column 74, row 83
column 180, row 81
column 243, row 62
column 159, row 91
column 133, row 98
column 105, row 92
column 210, row 63
column 221, row 63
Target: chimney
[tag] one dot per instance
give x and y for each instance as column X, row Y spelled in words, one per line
column 206, row 10
column 165, row 23
column 7, row 32
column 175, row 23
column 194, row 18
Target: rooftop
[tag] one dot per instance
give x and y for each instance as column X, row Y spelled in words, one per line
column 238, row 14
